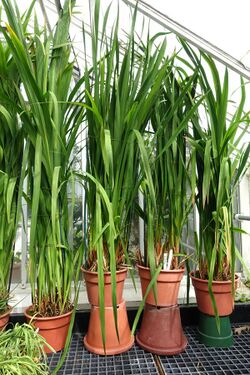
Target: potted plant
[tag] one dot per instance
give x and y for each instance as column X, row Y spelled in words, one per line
column 51, row 124
column 11, row 173
column 221, row 160
column 120, row 90
column 165, row 166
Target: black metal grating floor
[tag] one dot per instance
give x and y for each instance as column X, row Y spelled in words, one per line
column 80, row 361
column 197, row 359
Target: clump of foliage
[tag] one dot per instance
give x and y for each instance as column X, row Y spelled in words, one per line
column 50, row 123
column 4, row 298
column 22, row 352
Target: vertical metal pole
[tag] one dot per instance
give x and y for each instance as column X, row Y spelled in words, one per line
column 24, row 239
column 196, row 221
column 244, row 209
column 45, row 15
column 141, row 226
column 84, row 166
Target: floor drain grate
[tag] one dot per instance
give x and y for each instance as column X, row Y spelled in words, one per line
column 80, row 361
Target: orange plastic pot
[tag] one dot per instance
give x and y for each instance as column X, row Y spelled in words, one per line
column 4, row 319
column 93, row 339
column 223, row 295
column 167, row 286
column 53, row 329
column 91, row 279
column 161, row 331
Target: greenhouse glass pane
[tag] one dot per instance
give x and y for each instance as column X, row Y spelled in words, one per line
column 222, row 23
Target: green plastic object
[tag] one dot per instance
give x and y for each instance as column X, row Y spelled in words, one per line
column 210, row 336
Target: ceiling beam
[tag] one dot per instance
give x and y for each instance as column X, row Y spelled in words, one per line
column 194, row 39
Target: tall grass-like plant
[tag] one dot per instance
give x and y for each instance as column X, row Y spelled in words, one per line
column 166, row 164
column 121, row 89
column 221, row 160
column 51, row 122
column 11, row 156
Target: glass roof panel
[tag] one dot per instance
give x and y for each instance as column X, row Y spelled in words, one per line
column 222, row 23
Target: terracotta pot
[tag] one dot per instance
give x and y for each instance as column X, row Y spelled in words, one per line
column 161, row 331
column 168, row 284
column 222, row 291
column 93, row 339
column 53, row 329
column 4, row 319
column 91, row 279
